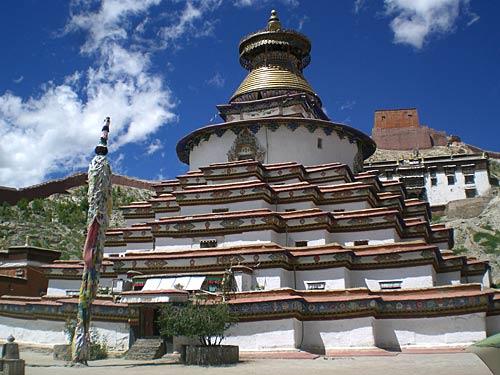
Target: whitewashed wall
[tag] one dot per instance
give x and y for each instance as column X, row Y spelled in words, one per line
column 334, row 278
column 49, row 332
column 492, row 325
column 484, row 279
column 322, row 335
column 234, row 206
column 313, row 237
column 411, row 277
column 283, row 145
column 375, row 237
column 58, row 287
column 114, row 250
column 430, row 332
column 348, row 206
column 273, row 278
column 281, row 334
column 448, row 278
column 250, row 237
column 443, row 193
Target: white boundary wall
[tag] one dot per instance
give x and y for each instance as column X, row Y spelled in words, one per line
column 282, row 334
column 51, row 332
column 458, row 330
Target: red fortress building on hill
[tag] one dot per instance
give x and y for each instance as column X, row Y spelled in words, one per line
column 400, row 129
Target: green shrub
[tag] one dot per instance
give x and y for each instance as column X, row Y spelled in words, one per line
column 207, row 322
column 23, row 204
column 37, row 206
column 490, row 242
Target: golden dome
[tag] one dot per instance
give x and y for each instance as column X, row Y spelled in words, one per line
column 271, row 78
column 275, row 58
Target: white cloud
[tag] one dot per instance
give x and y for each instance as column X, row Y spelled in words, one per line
column 358, row 5
column 348, row 105
column 473, row 18
column 154, row 146
column 416, row 20
column 217, row 80
column 253, row 3
column 18, row 80
column 56, row 129
column 186, row 22
column 302, row 20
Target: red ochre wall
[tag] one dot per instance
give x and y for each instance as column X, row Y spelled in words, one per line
column 46, row 189
column 400, row 129
column 33, row 283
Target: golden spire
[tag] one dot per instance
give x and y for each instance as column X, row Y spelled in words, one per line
column 275, row 58
column 274, row 23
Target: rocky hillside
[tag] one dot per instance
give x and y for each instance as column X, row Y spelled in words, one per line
column 454, row 148
column 58, row 222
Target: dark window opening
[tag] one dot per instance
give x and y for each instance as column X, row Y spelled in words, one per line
column 320, row 143
column 469, row 179
column 470, row 193
column 316, row 286
column 451, row 180
column 205, row 244
column 360, row 242
column 219, row 210
column 300, row 243
column 434, row 181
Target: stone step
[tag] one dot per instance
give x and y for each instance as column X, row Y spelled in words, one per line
column 146, row 349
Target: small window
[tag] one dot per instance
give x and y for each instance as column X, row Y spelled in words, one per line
column 390, row 285
column 316, row 286
column 449, row 171
column 434, row 181
column 469, row 179
column 290, row 209
column 432, row 172
column 389, row 174
column 360, row 242
column 470, row 193
column 339, row 210
column 205, row 244
column 468, row 169
column 300, row 243
column 219, row 210
column 451, row 180
column 320, row 142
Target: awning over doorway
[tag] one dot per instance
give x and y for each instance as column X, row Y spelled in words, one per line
column 189, row 283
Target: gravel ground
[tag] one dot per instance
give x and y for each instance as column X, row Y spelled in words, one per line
column 407, row 364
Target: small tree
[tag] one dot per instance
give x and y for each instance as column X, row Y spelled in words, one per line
column 204, row 321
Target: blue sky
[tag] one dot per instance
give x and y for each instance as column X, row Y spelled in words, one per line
column 159, row 67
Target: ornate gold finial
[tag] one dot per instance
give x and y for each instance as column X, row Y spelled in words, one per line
column 274, row 23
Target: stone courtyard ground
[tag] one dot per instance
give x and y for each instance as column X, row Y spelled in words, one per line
column 460, row 363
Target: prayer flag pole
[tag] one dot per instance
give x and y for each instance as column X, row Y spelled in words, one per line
column 100, row 203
